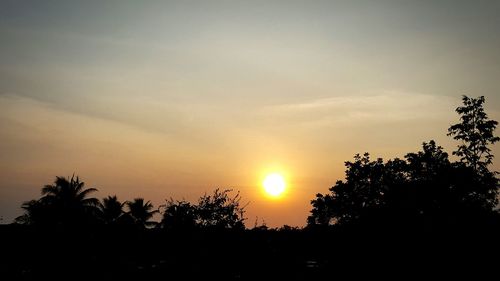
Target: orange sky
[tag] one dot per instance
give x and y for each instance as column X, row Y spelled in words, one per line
column 174, row 99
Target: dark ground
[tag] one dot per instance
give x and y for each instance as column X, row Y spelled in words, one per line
column 40, row 254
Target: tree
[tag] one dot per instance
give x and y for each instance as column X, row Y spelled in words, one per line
column 141, row 212
column 431, row 196
column 66, row 202
column 424, row 189
column 179, row 216
column 363, row 191
column 322, row 213
column 475, row 131
column 111, row 209
column 216, row 211
column 220, row 211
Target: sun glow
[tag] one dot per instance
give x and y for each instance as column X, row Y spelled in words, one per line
column 274, row 184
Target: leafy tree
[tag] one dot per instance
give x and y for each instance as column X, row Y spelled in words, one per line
column 430, row 196
column 366, row 184
column 321, row 213
column 475, row 131
column 141, row 212
column 220, row 211
column 179, row 216
column 425, row 188
column 427, row 164
column 216, row 211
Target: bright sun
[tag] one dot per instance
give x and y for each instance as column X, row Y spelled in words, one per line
column 274, row 184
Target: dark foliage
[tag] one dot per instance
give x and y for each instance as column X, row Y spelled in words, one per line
column 111, row 211
column 475, row 131
column 216, row 211
column 179, row 216
column 141, row 212
column 220, row 211
column 425, row 190
column 64, row 203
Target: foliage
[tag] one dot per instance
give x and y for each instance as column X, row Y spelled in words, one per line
column 425, row 188
column 219, row 210
column 216, row 211
column 111, row 210
column 366, row 185
column 475, row 131
column 141, row 212
column 179, row 216
column 66, row 202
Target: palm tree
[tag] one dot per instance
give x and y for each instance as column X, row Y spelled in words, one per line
column 69, row 200
column 111, row 209
column 141, row 212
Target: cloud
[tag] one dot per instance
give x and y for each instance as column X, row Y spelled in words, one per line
column 157, row 117
column 383, row 107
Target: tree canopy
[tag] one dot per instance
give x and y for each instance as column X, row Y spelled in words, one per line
column 425, row 188
column 215, row 211
column 65, row 202
column 475, row 131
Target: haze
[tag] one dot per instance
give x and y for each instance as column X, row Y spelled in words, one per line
column 164, row 99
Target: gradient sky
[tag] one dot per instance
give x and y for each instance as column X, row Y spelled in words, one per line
column 165, row 99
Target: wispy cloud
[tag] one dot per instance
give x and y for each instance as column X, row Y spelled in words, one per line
column 385, row 106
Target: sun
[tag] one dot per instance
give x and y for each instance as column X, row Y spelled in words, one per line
column 274, row 184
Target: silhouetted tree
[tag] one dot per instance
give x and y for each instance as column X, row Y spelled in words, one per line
column 475, row 131
column 141, row 212
column 428, row 194
column 220, row 211
column 66, row 202
column 366, row 184
column 322, row 212
column 179, row 216
column 216, row 211
column 425, row 189
column 111, row 209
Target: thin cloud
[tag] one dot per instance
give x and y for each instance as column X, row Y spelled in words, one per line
column 386, row 106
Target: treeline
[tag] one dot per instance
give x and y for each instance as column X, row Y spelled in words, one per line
column 67, row 203
column 423, row 214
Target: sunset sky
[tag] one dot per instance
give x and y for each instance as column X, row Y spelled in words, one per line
column 161, row 99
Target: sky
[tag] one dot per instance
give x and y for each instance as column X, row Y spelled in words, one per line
column 172, row 99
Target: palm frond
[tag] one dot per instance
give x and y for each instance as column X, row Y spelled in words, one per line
column 83, row 194
column 94, row 202
column 50, row 189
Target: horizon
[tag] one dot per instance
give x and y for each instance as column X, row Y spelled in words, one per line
column 175, row 99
